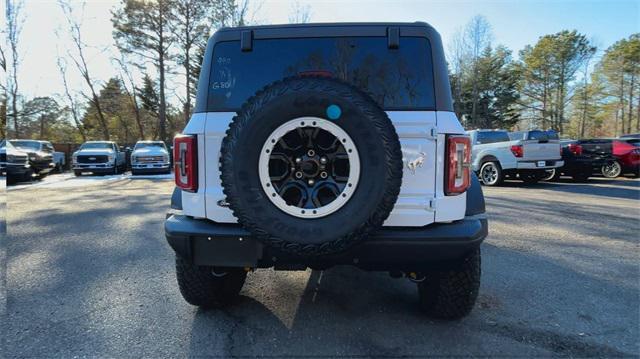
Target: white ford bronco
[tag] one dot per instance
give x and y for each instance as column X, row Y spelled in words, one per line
column 318, row 145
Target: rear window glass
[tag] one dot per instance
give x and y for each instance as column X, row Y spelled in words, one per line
column 633, row 141
column 537, row 135
column 552, row 135
column 398, row 79
column 492, row 137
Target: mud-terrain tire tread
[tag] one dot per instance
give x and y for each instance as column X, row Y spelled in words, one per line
column 452, row 294
column 384, row 128
column 200, row 288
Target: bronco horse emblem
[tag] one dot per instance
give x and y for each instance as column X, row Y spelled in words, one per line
column 417, row 163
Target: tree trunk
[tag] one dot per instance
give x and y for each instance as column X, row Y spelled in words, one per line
column 162, row 116
column 544, row 108
column 621, row 106
column 638, row 115
column 584, row 111
column 187, row 66
column 560, row 109
column 14, row 114
column 103, row 121
column 41, row 127
column 630, row 102
column 187, row 104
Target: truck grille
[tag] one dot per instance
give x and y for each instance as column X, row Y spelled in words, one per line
column 13, row 159
column 149, row 159
column 92, row 159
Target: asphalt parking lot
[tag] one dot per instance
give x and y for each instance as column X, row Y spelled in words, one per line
column 90, row 274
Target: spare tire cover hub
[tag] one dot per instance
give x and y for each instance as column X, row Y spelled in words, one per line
column 321, row 189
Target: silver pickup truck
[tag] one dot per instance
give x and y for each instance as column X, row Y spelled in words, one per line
column 524, row 155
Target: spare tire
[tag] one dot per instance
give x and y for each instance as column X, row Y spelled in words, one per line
column 311, row 165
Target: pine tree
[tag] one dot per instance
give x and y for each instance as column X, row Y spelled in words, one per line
column 142, row 29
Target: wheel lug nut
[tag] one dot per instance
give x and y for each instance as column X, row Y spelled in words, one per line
column 311, row 182
column 323, row 174
column 311, row 153
column 298, row 160
column 323, row 160
column 298, row 175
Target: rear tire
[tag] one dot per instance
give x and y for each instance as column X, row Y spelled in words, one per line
column 452, row 294
column 491, row 174
column 612, row 170
column 207, row 287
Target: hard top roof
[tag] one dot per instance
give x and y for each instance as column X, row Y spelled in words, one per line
column 327, row 24
column 392, row 30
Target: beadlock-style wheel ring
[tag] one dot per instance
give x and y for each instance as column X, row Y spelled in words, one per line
column 314, row 167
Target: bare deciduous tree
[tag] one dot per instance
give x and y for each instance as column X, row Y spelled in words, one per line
column 79, row 59
column 13, row 13
column 299, row 14
column 477, row 36
column 73, row 104
column 191, row 26
column 129, row 87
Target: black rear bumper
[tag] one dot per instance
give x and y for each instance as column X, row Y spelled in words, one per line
column 391, row 248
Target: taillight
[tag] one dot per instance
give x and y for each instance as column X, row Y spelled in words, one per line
column 185, row 162
column 517, row 150
column 458, row 162
column 575, row 149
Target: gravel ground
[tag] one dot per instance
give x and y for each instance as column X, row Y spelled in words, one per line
column 90, row 274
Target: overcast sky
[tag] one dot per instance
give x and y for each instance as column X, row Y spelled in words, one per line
column 514, row 24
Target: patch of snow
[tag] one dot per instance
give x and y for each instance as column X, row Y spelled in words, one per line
column 69, row 180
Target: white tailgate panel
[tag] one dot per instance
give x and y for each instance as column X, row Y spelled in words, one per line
column 418, row 187
column 411, row 209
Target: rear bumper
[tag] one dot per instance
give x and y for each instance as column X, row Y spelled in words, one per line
column 585, row 164
column 391, row 248
column 42, row 168
column 533, row 165
column 150, row 167
column 95, row 168
column 13, row 169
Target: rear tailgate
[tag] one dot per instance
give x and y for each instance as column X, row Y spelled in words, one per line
column 535, row 150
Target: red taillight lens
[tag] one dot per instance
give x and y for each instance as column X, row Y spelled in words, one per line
column 185, row 162
column 458, row 175
column 517, row 150
column 575, row 149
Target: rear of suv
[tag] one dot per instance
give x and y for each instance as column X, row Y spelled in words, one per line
column 312, row 146
column 625, row 153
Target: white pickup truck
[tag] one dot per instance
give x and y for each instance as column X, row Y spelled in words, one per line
column 98, row 157
column 524, row 155
column 150, row 157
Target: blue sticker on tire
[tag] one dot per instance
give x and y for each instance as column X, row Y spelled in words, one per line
column 334, row 112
